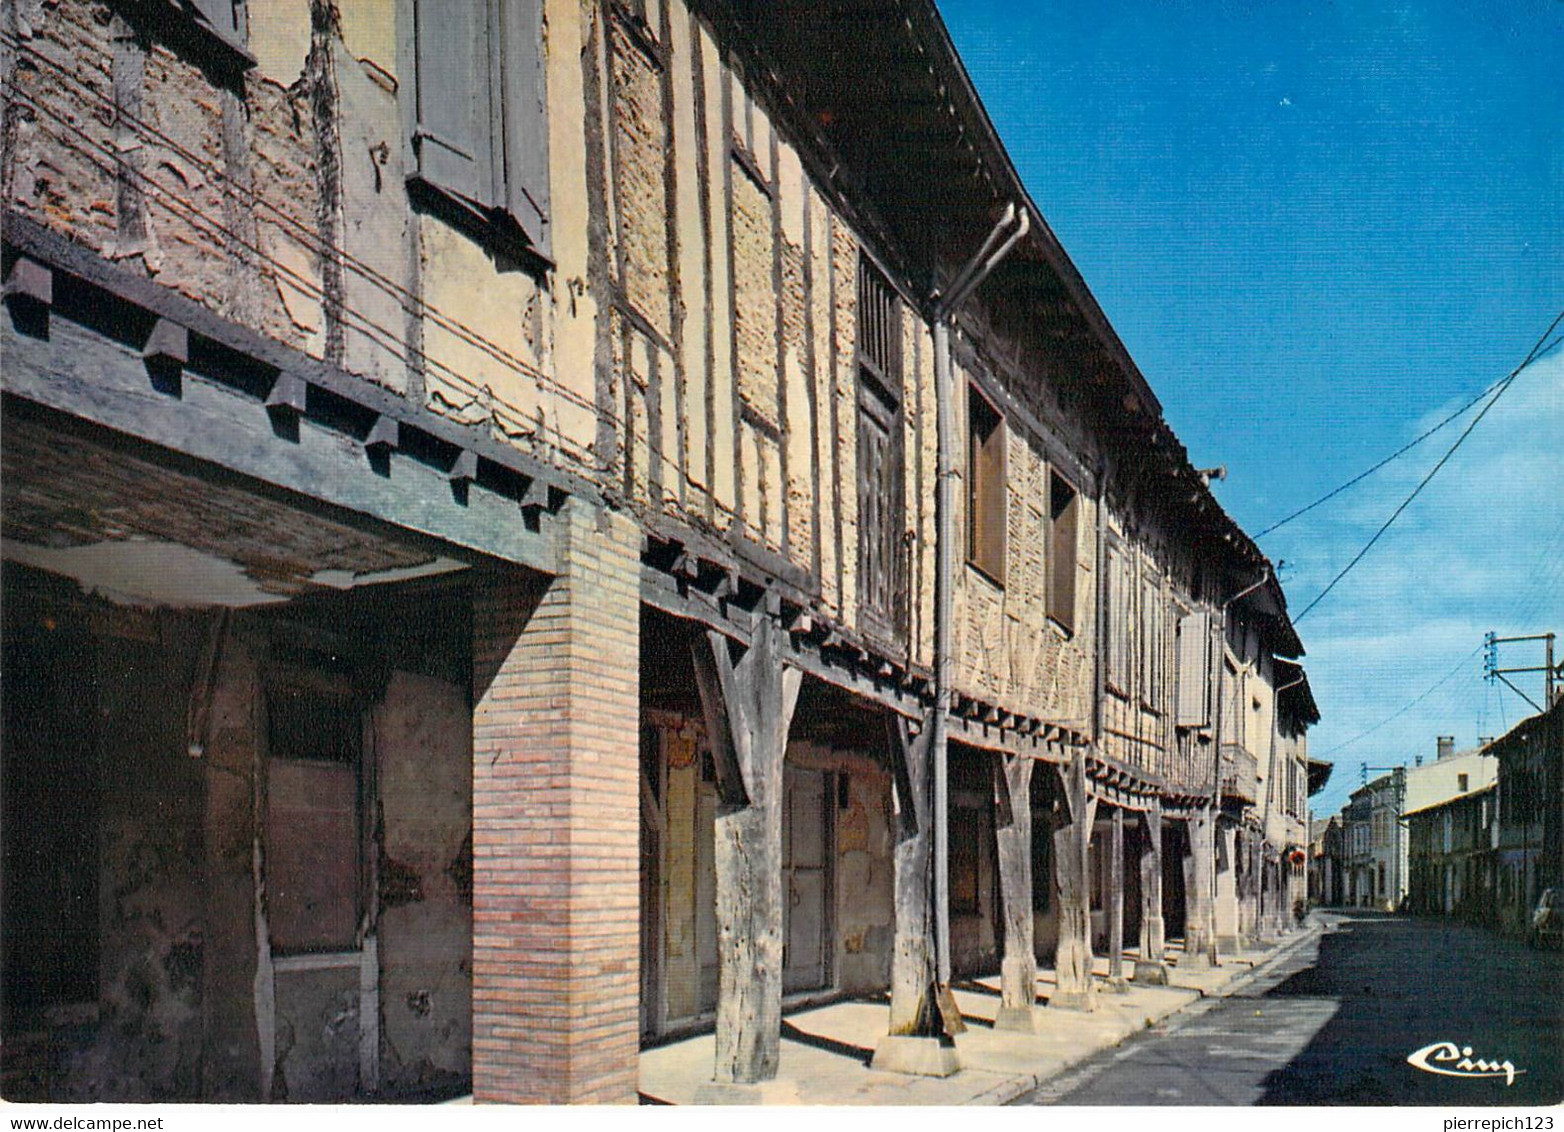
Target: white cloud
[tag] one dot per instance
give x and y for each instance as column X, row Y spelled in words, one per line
column 1480, row 549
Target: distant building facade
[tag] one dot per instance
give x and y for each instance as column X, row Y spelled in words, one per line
column 1529, row 842
column 1450, row 849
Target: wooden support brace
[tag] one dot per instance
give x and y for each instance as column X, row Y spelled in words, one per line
column 749, row 705
column 1072, row 839
column 919, row 1038
column 1013, row 834
column 728, row 762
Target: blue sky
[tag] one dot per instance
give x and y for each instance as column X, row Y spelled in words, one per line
column 1319, row 228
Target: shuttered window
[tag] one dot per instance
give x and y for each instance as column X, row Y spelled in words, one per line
column 1063, row 550
column 480, row 130
column 1194, row 669
column 986, row 486
column 223, row 17
column 1118, row 621
column 880, row 490
column 210, row 31
column 1152, row 643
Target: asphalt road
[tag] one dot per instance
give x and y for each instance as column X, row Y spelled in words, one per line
column 1334, row 1023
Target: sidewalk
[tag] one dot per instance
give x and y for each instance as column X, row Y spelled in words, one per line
column 826, row 1049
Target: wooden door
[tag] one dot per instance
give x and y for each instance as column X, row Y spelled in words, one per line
column 806, row 880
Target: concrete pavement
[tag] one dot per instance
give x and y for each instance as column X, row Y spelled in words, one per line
column 826, row 1049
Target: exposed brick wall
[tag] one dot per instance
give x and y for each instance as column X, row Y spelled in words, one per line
column 556, row 824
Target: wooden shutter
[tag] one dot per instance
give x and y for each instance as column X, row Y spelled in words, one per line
column 986, row 495
column 451, row 134
column 1063, row 550
column 524, row 139
column 223, row 16
column 1117, row 629
column 1194, row 669
column 880, row 491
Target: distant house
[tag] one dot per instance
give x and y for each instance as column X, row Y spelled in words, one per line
column 1326, row 839
column 1451, row 855
column 1529, row 851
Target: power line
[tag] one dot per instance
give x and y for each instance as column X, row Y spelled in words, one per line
column 1398, row 714
column 1363, row 475
column 1533, row 355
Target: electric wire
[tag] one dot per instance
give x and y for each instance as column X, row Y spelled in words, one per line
column 382, row 336
column 1363, row 475
column 1536, row 352
column 1402, row 711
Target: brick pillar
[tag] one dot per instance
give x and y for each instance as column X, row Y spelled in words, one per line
column 556, row 823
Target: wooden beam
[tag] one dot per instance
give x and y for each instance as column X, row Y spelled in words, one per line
column 465, row 469
column 728, row 763
column 111, row 279
column 1116, row 902
column 384, row 435
column 29, row 293
column 80, row 378
column 289, row 396
column 914, row 1009
column 1075, row 989
column 1150, row 970
column 758, row 693
column 1199, row 894
column 165, row 354
column 1013, row 834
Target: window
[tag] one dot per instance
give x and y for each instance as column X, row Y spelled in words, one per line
column 986, row 486
column 314, row 836
column 1118, row 621
column 879, row 454
column 1193, row 644
column 480, row 131
column 1063, row 550
column 1152, row 661
column 1461, row 781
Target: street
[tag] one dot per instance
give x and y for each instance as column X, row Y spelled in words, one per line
column 1334, row 1022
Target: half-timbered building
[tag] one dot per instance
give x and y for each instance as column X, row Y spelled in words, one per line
column 536, row 526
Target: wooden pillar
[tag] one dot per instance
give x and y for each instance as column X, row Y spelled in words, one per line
column 1013, row 832
column 1073, row 956
column 748, row 705
column 1200, row 894
column 916, row 1041
column 1116, row 903
column 1149, row 968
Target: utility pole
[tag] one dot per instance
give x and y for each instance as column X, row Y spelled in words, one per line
column 1552, row 672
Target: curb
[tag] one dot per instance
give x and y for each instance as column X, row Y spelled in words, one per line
column 1009, row 1091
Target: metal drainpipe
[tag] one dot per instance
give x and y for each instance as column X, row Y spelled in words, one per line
column 975, row 271
column 1220, row 663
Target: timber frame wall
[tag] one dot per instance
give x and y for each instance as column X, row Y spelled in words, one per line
column 637, row 364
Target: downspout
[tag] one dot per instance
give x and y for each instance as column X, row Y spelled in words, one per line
column 1219, row 663
column 994, row 249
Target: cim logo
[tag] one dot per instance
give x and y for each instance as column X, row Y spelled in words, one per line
column 1450, row 1060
